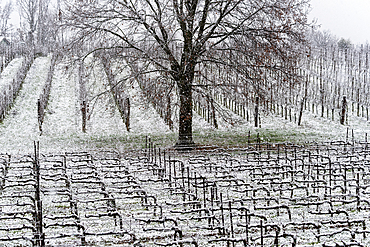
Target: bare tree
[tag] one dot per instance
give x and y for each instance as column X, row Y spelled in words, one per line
column 43, row 22
column 172, row 37
column 36, row 16
column 29, row 11
column 5, row 27
column 322, row 39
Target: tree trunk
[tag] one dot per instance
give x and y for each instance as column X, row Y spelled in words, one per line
column 185, row 141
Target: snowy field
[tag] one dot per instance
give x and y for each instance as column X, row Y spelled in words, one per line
column 95, row 192
column 105, row 129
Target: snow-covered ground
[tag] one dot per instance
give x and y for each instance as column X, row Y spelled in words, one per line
column 20, row 127
column 10, row 71
column 62, row 127
column 96, row 188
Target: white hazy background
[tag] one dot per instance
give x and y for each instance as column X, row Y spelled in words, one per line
column 349, row 19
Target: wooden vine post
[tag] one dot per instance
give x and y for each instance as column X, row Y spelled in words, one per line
column 39, row 235
column 39, row 114
column 303, row 103
column 127, row 114
column 343, row 111
column 169, row 112
column 256, row 113
column 214, row 114
column 81, row 75
column 83, row 110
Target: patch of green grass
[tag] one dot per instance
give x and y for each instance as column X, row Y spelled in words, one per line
column 241, row 139
column 208, row 137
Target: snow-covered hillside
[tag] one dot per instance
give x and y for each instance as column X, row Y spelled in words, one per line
column 20, row 127
column 106, row 130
